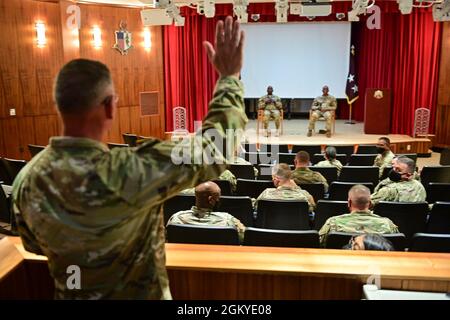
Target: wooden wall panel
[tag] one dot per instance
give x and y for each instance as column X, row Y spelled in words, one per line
column 443, row 104
column 138, row 71
column 27, row 72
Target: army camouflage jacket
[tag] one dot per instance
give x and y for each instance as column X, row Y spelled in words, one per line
column 81, row 204
column 357, row 222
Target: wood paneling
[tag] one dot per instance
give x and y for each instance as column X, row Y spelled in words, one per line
column 443, row 104
column 27, row 72
column 443, row 125
column 239, row 272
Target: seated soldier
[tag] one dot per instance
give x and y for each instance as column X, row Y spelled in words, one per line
column 207, row 197
column 387, row 181
column 331, row 161
column 286, row 189
column 322, row 107
column 271, row 104
column 404, row 187
column 302, row 174
column 385, row 155
column 360, row 219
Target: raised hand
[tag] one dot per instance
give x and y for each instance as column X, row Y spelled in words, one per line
column 227, row 54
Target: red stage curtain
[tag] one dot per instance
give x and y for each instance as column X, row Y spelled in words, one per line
column 403, row 55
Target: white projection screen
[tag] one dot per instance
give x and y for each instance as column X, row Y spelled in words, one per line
column 297, row 59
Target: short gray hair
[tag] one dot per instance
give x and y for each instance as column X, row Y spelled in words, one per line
column 410, row 164
column 360, row 196
column 282, row 171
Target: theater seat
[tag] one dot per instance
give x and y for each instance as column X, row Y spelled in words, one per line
column 252, row 188
column 360, row 174
column 438, row 191
column 410, row 217
column 180, row 202
column 239, row 207
column 426, row 242
column 316, row 190
column 339, row 190
column 336, row 240
column 326, row 209
column 242, row 171
column 439, row 219
column 283, row 215
column 281, row 238
column 182, row 233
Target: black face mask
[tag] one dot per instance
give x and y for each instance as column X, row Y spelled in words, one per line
column 216, row 206
column 395, row 176
column 380, row 150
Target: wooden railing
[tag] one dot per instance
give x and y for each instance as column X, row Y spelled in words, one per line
column 237, row 272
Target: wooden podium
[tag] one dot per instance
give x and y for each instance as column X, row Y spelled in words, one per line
column 377, row 116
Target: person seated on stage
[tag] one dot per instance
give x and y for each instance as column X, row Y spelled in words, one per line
column 404, row 187
column 385, row 155
column 271, row 104
column 285, row 187
column 207, row 198
column 303, row 174
column 322, row 107
column 331, row 161
column 226, row 175
column 387, row 181
column 360, row 219
column 370, row 241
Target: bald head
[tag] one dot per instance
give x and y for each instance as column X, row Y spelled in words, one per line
column 359, row 197
column 207, row 195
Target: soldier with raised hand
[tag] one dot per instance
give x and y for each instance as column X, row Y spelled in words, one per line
column 322, row 107
column 204, row 213
column 271, row 104
column 360, row 219
column 403, row 188
column 285, row 187
column 83, row 205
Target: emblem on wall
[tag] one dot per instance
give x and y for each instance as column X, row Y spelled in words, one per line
column 123, row 39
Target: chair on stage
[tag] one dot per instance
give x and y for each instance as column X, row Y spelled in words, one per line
column 259, row 122
column 322, row 118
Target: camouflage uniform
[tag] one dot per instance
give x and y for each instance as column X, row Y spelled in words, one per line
column 319, row 103
column 306, row 175
column 203, row 216
column 384, row 160
column 272, row 107
column 388, row 181
column 357, row 222
column 403, row 191
column 287, row 193
column 334, row 163
column 79, row 203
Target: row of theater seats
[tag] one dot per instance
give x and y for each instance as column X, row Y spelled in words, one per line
column 351, row 159
column 338, row 190
column 410, row 218
column 421, row 242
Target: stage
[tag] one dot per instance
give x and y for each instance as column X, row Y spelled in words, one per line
column 294, row 132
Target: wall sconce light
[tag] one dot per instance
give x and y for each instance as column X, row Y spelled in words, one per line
column 147, row 39
column 97, row 34
column 40, row 34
